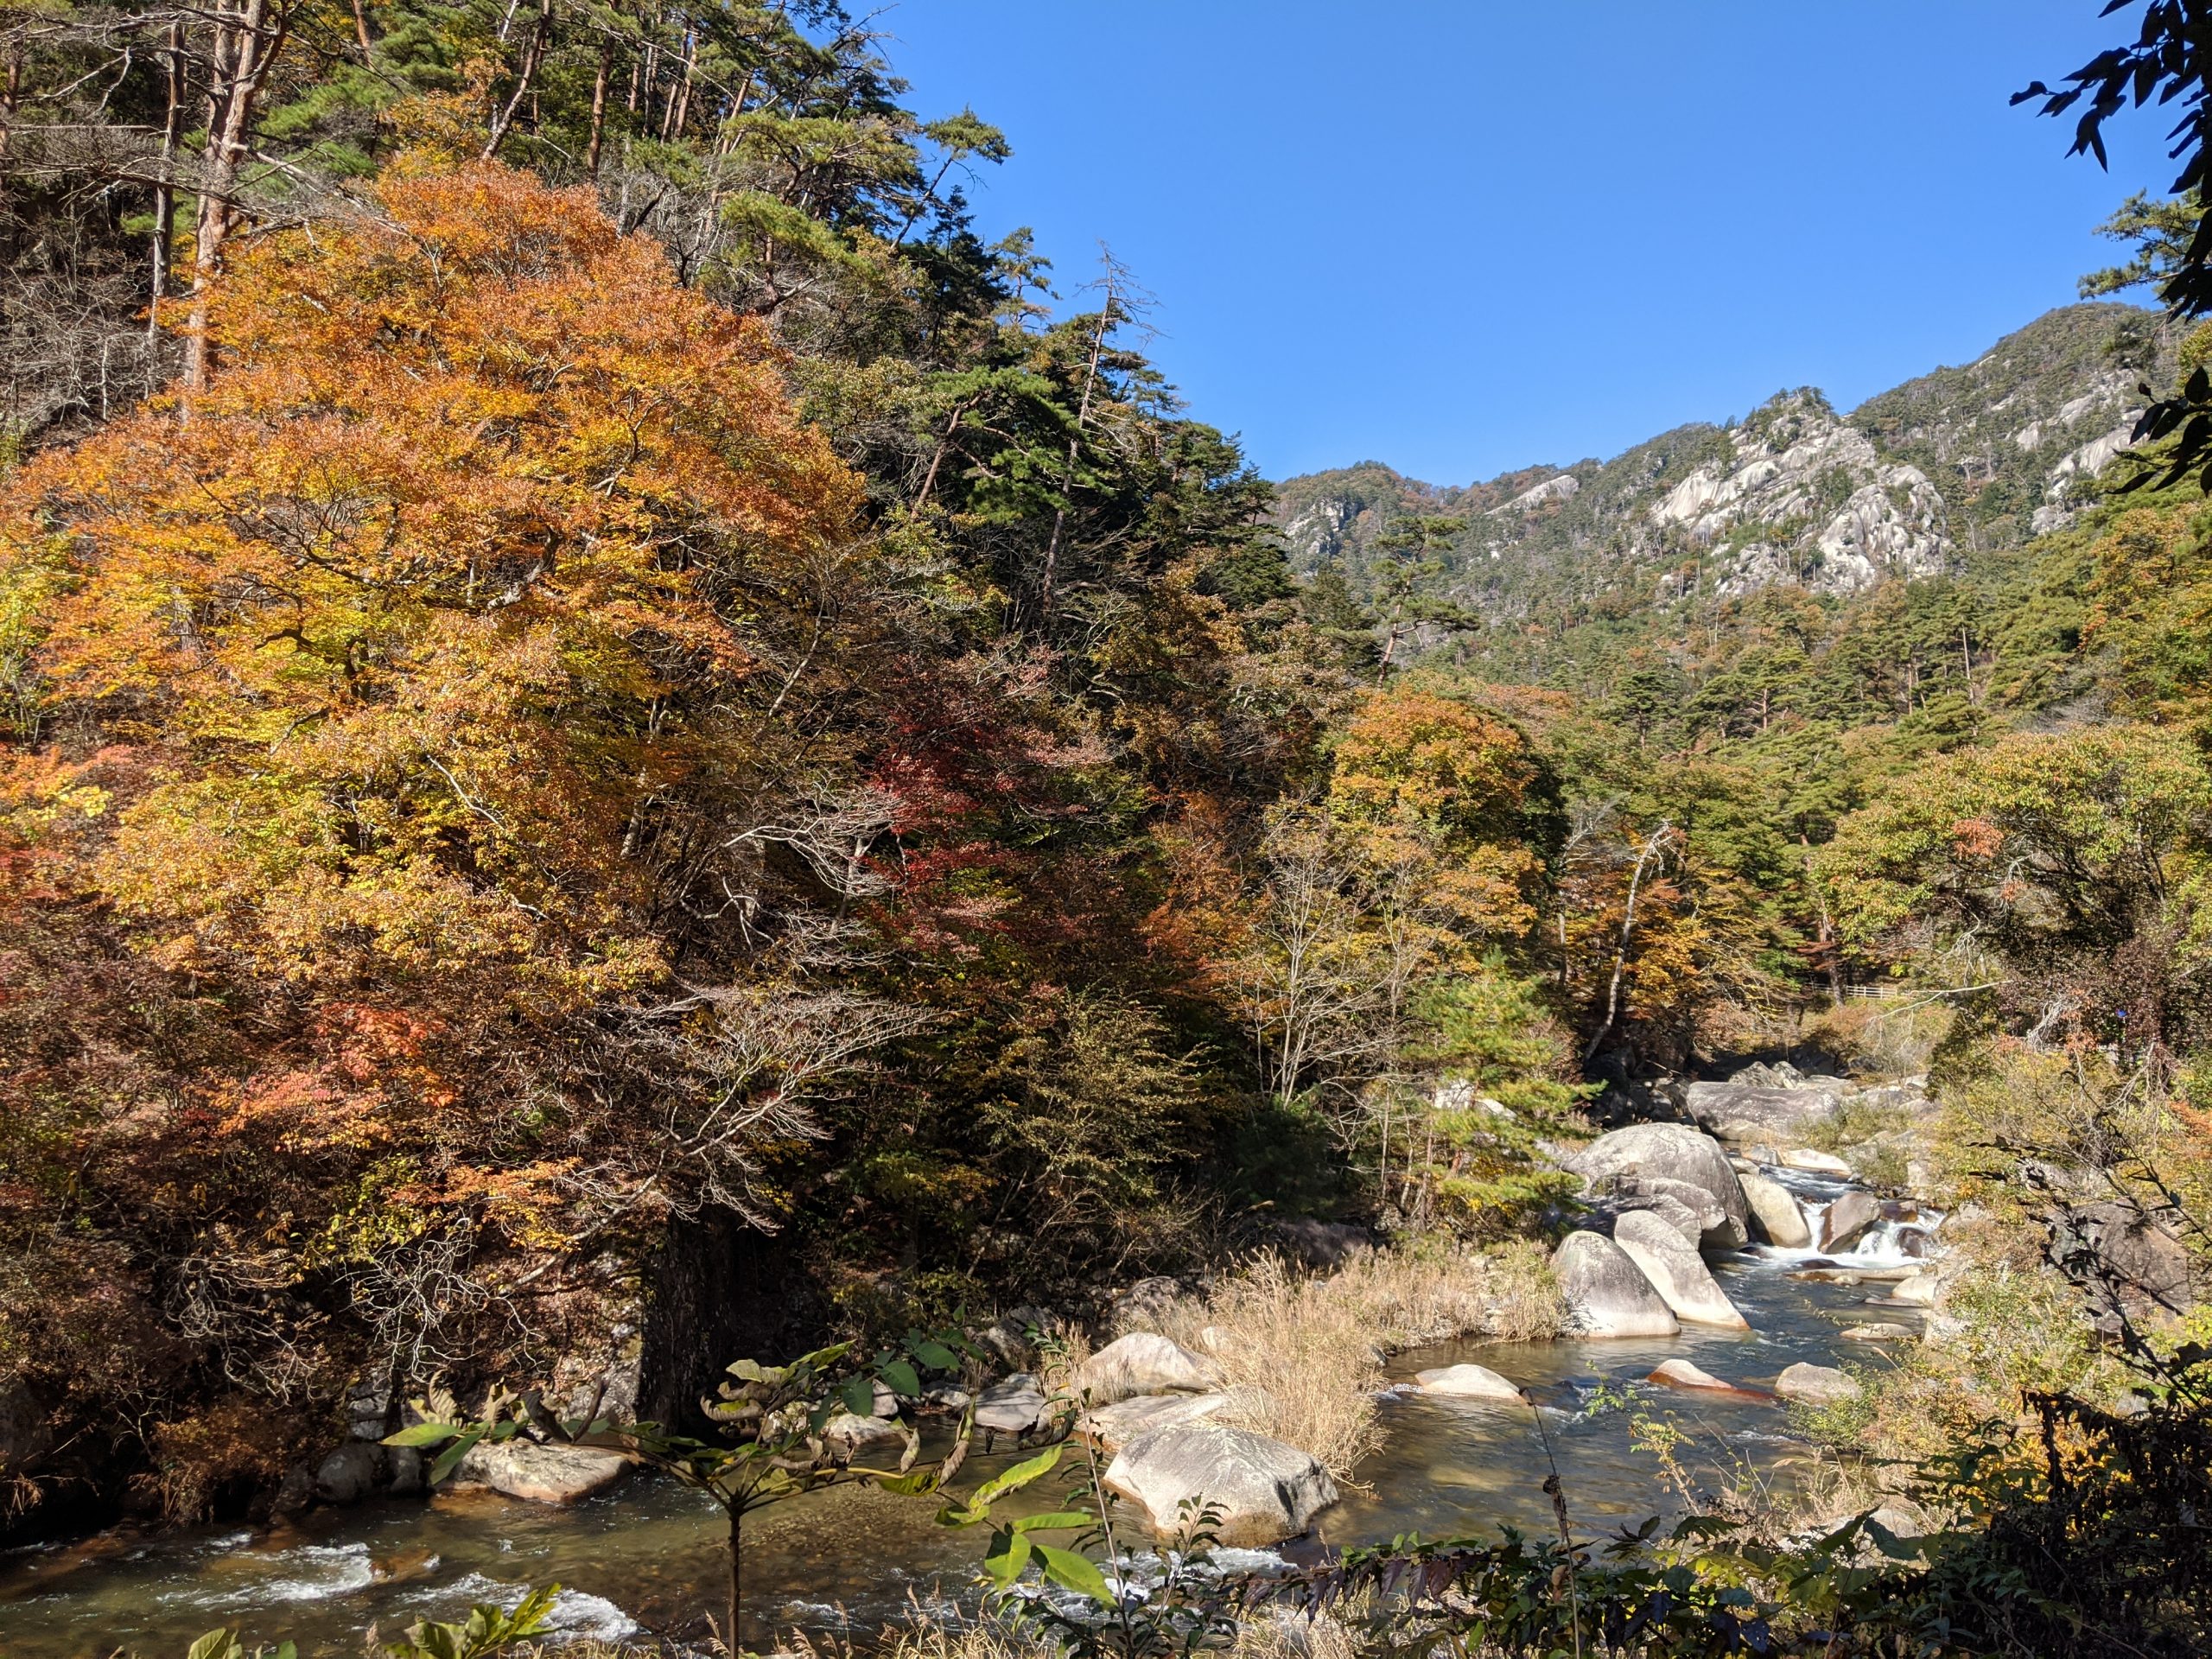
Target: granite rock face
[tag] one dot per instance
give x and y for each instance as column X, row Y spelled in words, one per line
column 1676, row 1272
column 1262, row 1491
column 1672, row 1153
column 1606, row 1292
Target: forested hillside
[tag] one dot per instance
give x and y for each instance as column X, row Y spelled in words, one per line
column 628, row 740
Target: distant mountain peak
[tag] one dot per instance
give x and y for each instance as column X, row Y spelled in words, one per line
column 1984, row 457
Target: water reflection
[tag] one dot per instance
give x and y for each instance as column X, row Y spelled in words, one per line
column 647, row 1557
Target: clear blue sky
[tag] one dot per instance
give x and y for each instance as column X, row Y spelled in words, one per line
column 1462, row 236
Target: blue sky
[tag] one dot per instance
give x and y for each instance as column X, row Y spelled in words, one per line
column 1462, row 238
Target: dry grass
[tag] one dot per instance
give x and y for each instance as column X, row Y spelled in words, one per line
column 922, row 1633
column 1303, row 1353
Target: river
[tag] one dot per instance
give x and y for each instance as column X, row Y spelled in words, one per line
column 646, row 1556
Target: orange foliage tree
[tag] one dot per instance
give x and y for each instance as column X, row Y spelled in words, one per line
column 446, row 715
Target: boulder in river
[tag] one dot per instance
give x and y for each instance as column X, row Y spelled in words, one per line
column 543, row 1474
column 1681, row 1374
column 350, row 1473
column 1606, row 1292
column 1468, row 1382
column 405, row 1472
column 1848, row 1218
column 1814, row 1163
column 1691, row 1210
column 1114, row 1427
column 1819, row 1385
column 1141, row 1363
column 1880, row 1331
column 849, row 1431
column 1919, row 1291
column 1012, row 1337
column 1776, row 1216
column 1680, row 1216
column 1017, row 1406
column 1676, row 1272
column 1262, row 1491
column 1671, row 1152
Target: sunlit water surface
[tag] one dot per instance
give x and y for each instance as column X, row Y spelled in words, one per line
column 647, row 1558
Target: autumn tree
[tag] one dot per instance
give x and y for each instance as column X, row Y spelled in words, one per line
column 451, row 693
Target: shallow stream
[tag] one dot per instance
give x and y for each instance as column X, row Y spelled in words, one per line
column 646, row 1556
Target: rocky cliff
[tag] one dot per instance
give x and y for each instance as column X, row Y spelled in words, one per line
column 1964, row 461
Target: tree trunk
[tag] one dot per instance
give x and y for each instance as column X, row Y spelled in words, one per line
column 165, row 186
column 533, row 55
column 1074, row 440
column 1627, row 926
column 361, row 31
column 1832, row 959
column 937, row 459
column 730, row 1641
column 246, row 43
column 598, row 111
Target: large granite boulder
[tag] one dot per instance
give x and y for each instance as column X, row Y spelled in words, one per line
column 1606, row 1292
column 1677, row 1272
column 1819, row 1385
column 542, row 1474
column 1141, row 1363
column 2128, row 1263
column 1468, row 1382
column 1690, row 1211
column 1848, row 1218
column 1776, row 1216
column 1609, row 1207
column 1671, row 1152
column 1748, row 1113
column 1262, row 1491
column 350, row 1473
column 849, row 1433
column 1919, row 1291
column 1114, row 1427
column 1017, row 1406
column 1814, row 1162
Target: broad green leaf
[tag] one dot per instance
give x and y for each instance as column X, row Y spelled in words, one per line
column 1076, row 1573
column 1007, row 1555
column 935, row 1354
column 900, row 1378
column 450, row 1459
column 216, row 1644
column 1019, row 1476
column 1064, row 1521
column 422, row 1434
column 859, row 1394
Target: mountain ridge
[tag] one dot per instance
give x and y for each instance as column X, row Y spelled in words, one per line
column 1979, row 457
